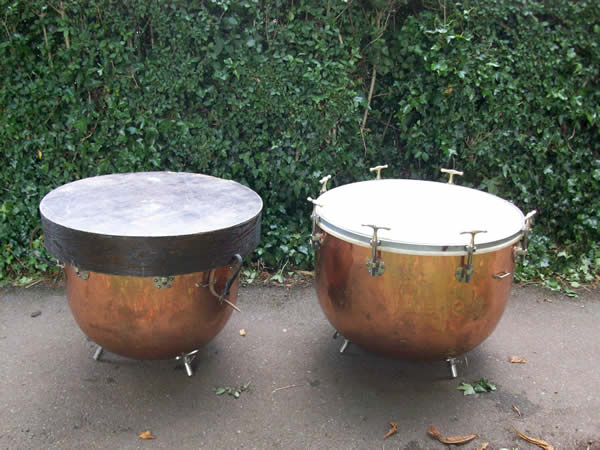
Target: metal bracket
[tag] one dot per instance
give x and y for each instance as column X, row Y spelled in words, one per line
column 374, row 266
column 83, row 274
column 465, row 273
column 378, row 169
column 521, row 249
column 316, row 238
column 163, row 282
column 452, row 172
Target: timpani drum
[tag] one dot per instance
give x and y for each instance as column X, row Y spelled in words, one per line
column 151, row 259
column 415, row 269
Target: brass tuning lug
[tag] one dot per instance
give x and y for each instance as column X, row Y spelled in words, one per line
column 374, row 266
column 378, row 169
column 452, row 172
column 323, row 182
column 521, row 248
column 316, row 239
column 465, row 273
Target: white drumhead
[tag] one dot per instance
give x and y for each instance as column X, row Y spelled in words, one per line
column 424, row 217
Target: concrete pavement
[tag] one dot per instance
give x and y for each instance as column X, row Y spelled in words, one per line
column 303, row 393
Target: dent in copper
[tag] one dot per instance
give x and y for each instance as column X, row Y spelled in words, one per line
column 417, row 309
column 130, row 316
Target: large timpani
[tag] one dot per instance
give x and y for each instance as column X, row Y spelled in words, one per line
column 415, row 269
column 151, row 259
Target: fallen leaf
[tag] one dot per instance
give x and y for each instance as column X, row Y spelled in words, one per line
column 242, row 332
column 542, row 444
column 450, row 440
column 516, row 360
column 515, row 409
column 484, row 446
column 147, row 435
column 466, row 388
column 482, row 385
column 393, row 430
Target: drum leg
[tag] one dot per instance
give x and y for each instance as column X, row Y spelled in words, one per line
column 344, row 345
column 187, row 361
column 98, row 353
column 452, row 364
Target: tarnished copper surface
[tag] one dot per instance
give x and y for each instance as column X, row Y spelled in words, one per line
column 417, row 309
column 130, row 316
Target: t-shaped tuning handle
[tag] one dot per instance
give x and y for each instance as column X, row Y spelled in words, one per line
column 473, row 233
column 452, row 172
column 323, row 182
column 464, row 273
column 378, row 169
column 374, row 266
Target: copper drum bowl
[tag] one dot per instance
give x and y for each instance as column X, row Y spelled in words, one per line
column 151, row 259
column 414, row 269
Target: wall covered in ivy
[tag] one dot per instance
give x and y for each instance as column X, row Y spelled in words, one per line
column 277, row 94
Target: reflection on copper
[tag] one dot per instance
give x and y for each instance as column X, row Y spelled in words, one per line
column 417, row 309
column 130, row 316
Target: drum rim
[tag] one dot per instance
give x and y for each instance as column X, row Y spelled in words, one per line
column 403, row 247
column 150, row 255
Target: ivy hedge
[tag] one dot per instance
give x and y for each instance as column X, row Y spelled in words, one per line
column 276, row 94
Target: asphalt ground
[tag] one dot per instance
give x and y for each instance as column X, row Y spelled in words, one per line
column 303, row 393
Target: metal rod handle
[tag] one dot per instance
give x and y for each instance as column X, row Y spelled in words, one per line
column 211, row 283
column 452, row 172
column 501, row 275
column 378, row 169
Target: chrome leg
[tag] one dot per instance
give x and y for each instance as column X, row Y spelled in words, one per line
column 187, row 361
column 344, row 345
column 452, row 363
column 98, row 353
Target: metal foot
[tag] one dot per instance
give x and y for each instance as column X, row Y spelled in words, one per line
column 187, row 361
column 452, row 363
column 345, row 344
column 98, row 353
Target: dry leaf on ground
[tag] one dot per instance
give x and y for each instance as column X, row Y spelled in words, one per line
column 393, row 430
column 450, row 440
column 541, row 444
column 146, row 435
column 484, row 446
column 242, row 332
column 516, row 360
column 517, row 410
